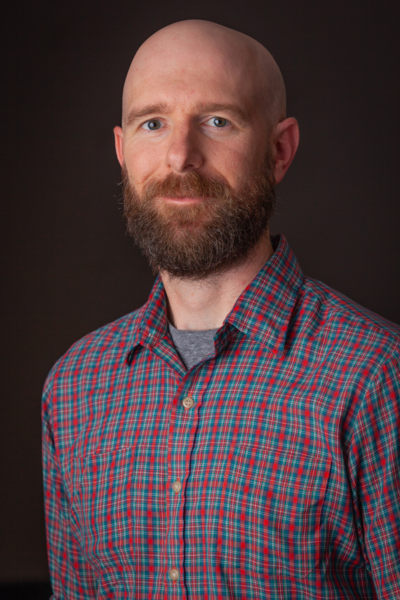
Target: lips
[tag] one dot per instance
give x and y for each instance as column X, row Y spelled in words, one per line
column 183, row 200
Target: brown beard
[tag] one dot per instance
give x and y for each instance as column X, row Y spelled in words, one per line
column 207, row 237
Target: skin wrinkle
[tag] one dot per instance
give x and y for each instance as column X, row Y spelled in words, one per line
column 258, row 65
column 206, row 248
column 158, row 108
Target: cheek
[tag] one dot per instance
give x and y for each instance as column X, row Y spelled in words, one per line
column 142, row 161
column 234, row 165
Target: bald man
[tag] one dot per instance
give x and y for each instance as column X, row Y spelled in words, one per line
column 238, row 435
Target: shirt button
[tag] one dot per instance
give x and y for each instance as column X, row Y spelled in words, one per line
column 188, row 402
column 174, row 574
column 176, row 486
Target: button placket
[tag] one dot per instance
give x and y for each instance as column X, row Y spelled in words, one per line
column 181, row 438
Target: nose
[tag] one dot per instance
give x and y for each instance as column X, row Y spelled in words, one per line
column 183, row 154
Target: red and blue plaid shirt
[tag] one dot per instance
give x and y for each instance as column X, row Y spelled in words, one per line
column 270, row 470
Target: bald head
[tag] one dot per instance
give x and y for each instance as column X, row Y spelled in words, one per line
column 201, row 51
column 204, row 98
column 204, row 136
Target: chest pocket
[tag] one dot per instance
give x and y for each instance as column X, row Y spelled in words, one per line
column 102, row 509
column 270, row 514
column 117, row 507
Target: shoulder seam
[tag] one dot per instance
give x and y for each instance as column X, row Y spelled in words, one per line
column 357, row 314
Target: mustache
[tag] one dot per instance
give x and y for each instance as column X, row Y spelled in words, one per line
column 191, row 185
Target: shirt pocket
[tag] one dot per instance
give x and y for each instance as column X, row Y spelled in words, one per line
column 270, row 514
column 102, row 507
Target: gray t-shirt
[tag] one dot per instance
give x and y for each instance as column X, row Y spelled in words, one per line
column 192, row 346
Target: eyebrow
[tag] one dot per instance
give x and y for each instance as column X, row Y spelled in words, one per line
column 137, row 113
column 230, row 108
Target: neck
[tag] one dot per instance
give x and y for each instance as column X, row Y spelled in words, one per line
column 199, row 305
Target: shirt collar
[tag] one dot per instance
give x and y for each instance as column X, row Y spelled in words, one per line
column 262, row 311
column 264, row 308
column 152, row 318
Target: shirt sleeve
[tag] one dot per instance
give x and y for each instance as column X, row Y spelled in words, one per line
column 72, row 578
column 374, row 473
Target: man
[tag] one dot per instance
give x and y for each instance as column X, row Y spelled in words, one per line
column 237, row 436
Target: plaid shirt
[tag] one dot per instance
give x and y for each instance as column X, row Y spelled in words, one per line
column 270, row 470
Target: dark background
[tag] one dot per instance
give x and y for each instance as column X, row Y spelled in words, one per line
column 71, row 268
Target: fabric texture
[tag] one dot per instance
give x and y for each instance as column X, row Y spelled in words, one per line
column 270, row 470
column 192, row 346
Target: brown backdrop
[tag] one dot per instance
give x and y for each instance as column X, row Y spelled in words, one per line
column 69, row 266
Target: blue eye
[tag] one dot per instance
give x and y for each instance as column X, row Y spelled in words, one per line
column 152, row 125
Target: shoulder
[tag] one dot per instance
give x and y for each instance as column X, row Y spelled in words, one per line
column 340, row 306
column 348, row 323
column 95, row 348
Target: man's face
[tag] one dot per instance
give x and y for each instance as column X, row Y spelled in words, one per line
column 195, row 155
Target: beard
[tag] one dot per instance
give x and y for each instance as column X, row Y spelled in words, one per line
column 193, row 241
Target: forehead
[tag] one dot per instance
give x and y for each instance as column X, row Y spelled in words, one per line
column 191, row 76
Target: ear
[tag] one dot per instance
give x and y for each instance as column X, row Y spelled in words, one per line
column 119, row 144
column 285, row 141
